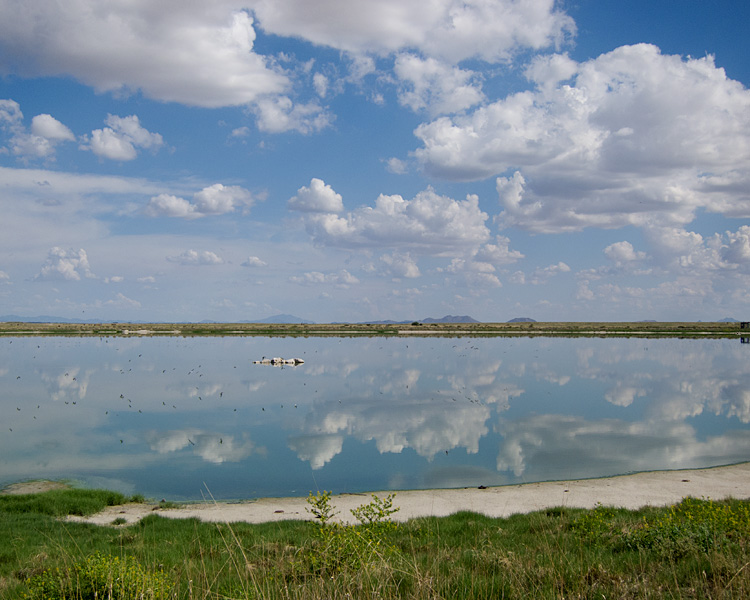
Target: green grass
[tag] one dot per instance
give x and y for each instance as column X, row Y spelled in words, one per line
column 63, row 502
column 696, row 549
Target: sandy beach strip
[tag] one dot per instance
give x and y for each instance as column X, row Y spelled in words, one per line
column 656, row 488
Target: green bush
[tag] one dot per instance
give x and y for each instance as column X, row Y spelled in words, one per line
column 338, row 548
column 377, row 512
column 691, row 525
column 596, row 525
column 100, row 577
column 320, row 506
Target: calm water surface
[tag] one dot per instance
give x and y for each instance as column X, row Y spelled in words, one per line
column 178, row 418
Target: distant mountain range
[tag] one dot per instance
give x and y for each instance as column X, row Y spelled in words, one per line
column 275, row 319
column 451, row 319
column 428, row 320
column 282, row 319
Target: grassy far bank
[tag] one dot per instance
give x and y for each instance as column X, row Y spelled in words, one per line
column 696, row 549
column 657, row 329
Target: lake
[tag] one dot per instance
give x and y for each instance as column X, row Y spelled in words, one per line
column 188, row 418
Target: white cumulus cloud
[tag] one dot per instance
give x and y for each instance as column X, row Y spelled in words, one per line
column 121, row 139
column 445, row 29
column 318, row 197
column 65, row 264
column 10, row 113
column 196, row 53
column 342, row 279
column 632, row 137
column 194, row 257
column 400, row 265
column 498, row 253
column 623, row 252
column 438, row 88
column 47, row 126
column 217, row 199
column 737, row 249
column 278, row 114
column 254, row 261
column 46, row 132
column 167, row 205
column 428, row 224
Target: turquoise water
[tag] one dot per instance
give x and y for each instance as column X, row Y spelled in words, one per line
column 188, row 418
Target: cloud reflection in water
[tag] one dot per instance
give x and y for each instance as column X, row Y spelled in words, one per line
column 162, row 415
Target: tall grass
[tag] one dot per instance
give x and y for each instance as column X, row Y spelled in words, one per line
column 64, row 502
column 696, row 549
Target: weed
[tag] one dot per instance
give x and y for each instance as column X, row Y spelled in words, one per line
column 377, row 512
column 339, row 549
column 597, row 524
column 320, row 506
column 692, row 525
column 100, row 577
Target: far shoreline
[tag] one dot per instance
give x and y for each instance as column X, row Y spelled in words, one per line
column 415, row 329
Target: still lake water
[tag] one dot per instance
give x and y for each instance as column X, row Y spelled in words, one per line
column 172, row 417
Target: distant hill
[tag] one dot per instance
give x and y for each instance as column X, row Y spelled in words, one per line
column 428, row 320
column 728, row 320
column 451, row 319
column 522, row 320
column 386, row 322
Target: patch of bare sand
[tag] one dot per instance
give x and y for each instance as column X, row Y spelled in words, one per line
column 658, row 488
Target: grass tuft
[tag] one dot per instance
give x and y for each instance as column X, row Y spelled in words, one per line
column 58, row 503
column 100, row 577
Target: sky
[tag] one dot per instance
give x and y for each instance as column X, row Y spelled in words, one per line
column 360, row 160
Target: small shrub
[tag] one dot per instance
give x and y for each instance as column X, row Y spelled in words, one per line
column 100, row 577
column 341, row 548
column 691, row 525
column 596, row 525
column 378, row 511
column 320, row 506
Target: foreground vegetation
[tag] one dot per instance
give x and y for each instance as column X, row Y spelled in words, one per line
column 658, row 329
column 697, row 549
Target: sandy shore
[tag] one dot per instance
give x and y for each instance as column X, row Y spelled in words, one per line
column 658, row 488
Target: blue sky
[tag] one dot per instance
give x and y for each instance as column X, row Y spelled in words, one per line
column 232, row 160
